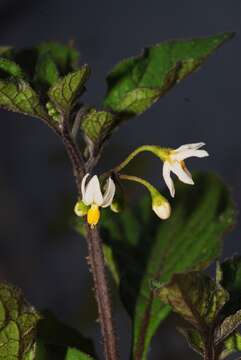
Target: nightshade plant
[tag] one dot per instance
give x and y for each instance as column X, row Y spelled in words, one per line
column 142, row 251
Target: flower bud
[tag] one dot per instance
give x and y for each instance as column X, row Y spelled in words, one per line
column 53, row 113
column 81, row 209
column 161, row 207
column 116, row 206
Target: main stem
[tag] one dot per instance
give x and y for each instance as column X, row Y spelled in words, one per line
column 96, row 257
column 97, row 265
column 209, row 351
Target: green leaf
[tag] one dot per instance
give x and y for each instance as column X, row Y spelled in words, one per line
column 194, row 296
column 136, row 83
column 231, row 345
column 46, row 72
column 64, row 56
column 145, row 248
column 11, row 68
column 74, row 354
column 18, row 322
column 65, row 91
column 18, row 96
column 96, row 125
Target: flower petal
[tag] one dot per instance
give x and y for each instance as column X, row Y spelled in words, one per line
column 167, row 177
column 109, row 193
column 83, row 188
column 93, row 193
column 182, row 173
column 190, row 153
column 193, row 146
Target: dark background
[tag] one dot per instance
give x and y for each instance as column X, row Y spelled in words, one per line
column 35, row 176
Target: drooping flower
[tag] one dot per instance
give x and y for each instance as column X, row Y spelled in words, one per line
column 93, row 198
column 160, row 204
column 174, row 162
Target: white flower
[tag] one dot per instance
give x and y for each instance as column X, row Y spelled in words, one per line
column 161, row 208
column 92, row 196
column 174, row 162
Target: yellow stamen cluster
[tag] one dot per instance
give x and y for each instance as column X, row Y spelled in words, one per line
column 93, row 215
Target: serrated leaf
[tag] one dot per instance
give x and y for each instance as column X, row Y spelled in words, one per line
column 11, row 68
column 66, row 90
column 74, row 354
column 136, row 83
column 18, row 321
column 18, row 96
column 194, row 296
column 144, row 248
column 228, row 326
column 97, row 124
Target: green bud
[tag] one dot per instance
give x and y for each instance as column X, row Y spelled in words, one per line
column 116, row 206
column 53, row 113
column 81, row 209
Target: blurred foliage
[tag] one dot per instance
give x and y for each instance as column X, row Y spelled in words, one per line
column 139, row 248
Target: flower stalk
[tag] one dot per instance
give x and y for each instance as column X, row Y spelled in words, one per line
column 156, row 150
column 160, row 205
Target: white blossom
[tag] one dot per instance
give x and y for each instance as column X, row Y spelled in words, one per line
column 174, row 162
column 93, row 197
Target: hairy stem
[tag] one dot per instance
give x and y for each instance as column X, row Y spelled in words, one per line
column 74, row 155
column 96, row 257
column 209, row 351
column 97, row 265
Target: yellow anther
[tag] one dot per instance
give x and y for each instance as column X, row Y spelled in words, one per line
column 93, row 215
